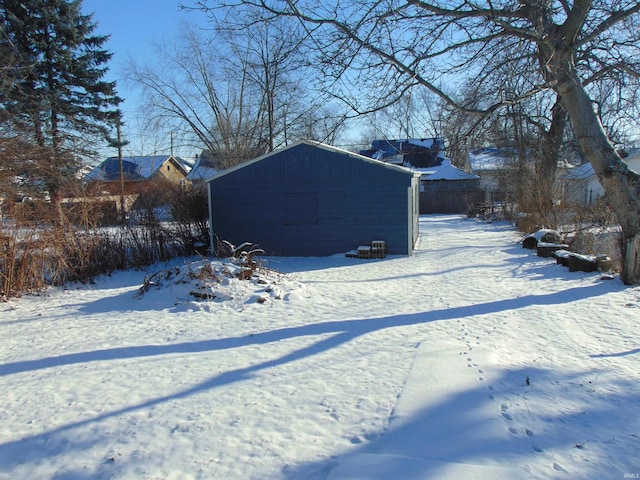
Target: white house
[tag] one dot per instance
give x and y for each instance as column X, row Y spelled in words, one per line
column 633, row 159
column 581, row 186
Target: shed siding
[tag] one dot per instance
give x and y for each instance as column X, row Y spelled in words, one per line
column 449, row 196
column 351, row 202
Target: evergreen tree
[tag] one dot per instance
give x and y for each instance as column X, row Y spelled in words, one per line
column 54, row 91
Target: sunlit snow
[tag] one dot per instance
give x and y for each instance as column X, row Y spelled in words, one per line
column 472, row 358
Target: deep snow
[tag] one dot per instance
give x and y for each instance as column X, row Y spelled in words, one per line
column 472, row 358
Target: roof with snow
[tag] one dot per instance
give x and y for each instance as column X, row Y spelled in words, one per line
column 135, row 168
column 582, row 172
column 417, row 152
column 445, row 171
column 202, row 170
column 491, row 158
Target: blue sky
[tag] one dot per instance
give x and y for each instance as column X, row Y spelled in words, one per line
column 134, row 25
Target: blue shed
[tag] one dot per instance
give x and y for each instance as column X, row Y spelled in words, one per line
column 311, row 199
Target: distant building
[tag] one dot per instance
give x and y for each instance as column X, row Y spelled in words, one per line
column 409, row 152
column 204, row 168
column 444, row 188
column 491, row 165
column 632, row 159
column 580, row 186
column 137, row 173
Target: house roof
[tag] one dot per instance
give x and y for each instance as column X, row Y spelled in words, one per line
column 405, row 144
column 445, row 171
column 491, row 158
column 582, row 172
column 585, row 171
column 202, row 170
column 135, row 168
column 419, row 152
column 319, row 145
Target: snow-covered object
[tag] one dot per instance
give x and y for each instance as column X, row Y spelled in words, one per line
column 543, row 235
column 239, row 279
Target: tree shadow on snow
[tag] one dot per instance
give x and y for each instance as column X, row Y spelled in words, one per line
column 343, row 330
column 334, row 334
column 456, row 438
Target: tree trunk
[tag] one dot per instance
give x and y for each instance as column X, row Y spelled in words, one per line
column 621, row 185
column 547, row 165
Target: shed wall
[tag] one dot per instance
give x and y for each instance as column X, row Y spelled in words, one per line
column 308, row 201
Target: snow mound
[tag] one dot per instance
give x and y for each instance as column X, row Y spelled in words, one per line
column 225, row 280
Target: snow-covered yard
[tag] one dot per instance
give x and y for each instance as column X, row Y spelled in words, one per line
column 473, row 358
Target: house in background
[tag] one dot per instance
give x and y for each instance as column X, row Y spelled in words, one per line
column 409, row 152
column 114, row 192
column 491, row 165
column 580, row 186
column 311, row 199
column 137, row 173
column 444, row 188
column 632, row 158
column 204, row 168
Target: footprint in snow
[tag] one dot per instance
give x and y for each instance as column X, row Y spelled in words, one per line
column 507, row 416
column 558, row 468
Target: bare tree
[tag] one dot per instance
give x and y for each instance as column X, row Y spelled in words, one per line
column 268, row 53
column 237, row 92
column 189, row 93
column 562, row 46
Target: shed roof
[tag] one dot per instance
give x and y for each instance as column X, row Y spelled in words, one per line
column 319, row 145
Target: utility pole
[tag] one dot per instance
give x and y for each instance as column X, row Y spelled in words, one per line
column 123, row 216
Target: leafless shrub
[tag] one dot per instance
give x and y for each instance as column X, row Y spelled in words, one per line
column 43, row 244
column 594, row 230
